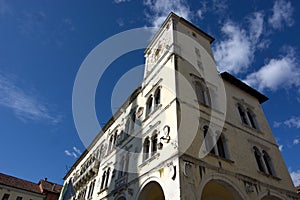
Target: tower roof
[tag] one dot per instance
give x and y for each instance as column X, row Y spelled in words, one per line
column 172, row 15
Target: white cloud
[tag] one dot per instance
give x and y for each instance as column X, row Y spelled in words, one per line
column 280, row 147
column 296, row 141
column 121, row 1
column 235, row 53
column 296, row 177
column 76, row 153
column 278, row 72
column 160, row 9
column 68, row 153
column 200, row 14
column 276, row 124
column 120, row 22
column 203, row 9
column 5, row 8
column 77, row 150
column 219, row 6
column 282, row 14
column 292, row 122
column 25, row 105
column 256, row 26
column 263, row 44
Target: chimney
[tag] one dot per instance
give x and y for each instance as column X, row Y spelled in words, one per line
column 53, row 187
column 46, row 179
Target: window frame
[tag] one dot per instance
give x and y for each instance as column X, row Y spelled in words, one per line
column 202, row 92
column 146, row 148
column 157, row 97
column 220, row 148
column 5, row 196
column 149, row 105
column 266, row 165
column 247, row 116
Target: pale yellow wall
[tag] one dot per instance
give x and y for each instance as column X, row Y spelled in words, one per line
column 14, row 193
column 242, row 138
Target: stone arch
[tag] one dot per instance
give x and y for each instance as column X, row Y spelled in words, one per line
column 227, row 190
column 151, row 189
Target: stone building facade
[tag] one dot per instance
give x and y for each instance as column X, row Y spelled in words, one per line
column 189, row 132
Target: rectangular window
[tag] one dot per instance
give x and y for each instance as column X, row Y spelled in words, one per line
column 5, row 197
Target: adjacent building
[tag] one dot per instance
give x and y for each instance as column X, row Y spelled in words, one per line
column 13, row 188
column 188, row 132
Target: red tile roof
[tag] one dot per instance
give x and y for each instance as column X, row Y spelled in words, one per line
column 43, row 187
column 19, row 183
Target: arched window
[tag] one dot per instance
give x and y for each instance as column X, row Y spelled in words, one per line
column 252, row 119
column 199, row 92
column 115, row 137
column 208, row 140
column 126, row 163
column 111, row 141
column 91, row 189
column 268, row 163
column 149, row 105
column 259, row 162
column 215, row 142
column 127, row 125
column 242, row 114
column 121, row 166
column 247, row 116
column 132, row 121
column 202, row 92
column 154, row 144
column 84, row 193
column 107, row 177
column 103, row 180
column 157, row 98
column 102, row 152
column 221, row 147
column 146, row 149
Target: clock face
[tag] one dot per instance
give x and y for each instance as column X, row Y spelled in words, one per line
column 162, row 45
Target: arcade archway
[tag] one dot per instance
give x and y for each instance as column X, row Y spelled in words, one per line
column 218, row 190
column 152, row 191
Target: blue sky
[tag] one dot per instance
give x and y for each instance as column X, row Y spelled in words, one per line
column 43, row 43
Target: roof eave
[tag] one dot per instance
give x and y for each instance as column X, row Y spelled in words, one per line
column 240, row 84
